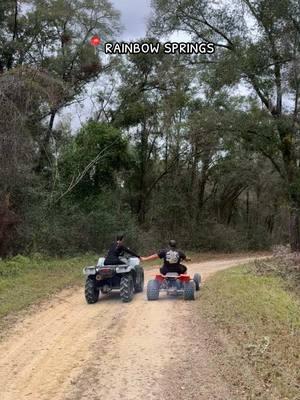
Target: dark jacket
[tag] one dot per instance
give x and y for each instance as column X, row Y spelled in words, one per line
column 171, row 256
column 116, row 251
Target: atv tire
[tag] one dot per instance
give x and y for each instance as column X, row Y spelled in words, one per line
column 189, row 290
column 139, row 287
column 126, row 288
column 197, row 280
column 153, row 290
column 91, row 291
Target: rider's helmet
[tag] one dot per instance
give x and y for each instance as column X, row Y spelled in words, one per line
column 172, row 243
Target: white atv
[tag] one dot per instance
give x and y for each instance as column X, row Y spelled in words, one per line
column 128, row 278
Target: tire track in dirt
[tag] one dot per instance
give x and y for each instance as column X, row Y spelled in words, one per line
column 68, row 350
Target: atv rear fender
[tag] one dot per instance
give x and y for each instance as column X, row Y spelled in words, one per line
column 182, row 278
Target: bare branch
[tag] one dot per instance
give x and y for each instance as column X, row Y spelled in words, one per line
column 75, row 181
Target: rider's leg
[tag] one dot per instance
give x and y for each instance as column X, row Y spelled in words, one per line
column 182, row 269
column 163, row 270
column 174, row 268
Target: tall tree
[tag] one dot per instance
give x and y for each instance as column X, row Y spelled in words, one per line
column 152, row 95
column 22, row 92
column 257, row 44
column 53, row 35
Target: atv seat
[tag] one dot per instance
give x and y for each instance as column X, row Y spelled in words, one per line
column 171, row 275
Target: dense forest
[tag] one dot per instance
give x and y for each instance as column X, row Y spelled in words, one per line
column 201, row 148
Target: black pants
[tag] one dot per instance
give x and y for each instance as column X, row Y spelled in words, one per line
column 179, row 268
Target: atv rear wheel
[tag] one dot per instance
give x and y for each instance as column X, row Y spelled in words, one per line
column 197, row 280
column 91, row 291
column 126, row 288
column 152, row 290
column 139, row 286
column 189, row 290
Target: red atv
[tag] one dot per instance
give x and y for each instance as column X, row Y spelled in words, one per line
column 173, row 284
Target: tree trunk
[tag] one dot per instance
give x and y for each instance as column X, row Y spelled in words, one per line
column 247, row 209
column 10, row 60
column 142, row 209
column 142, row 181
column 202, row 187
column 293, row 186
column 294, row 229
column 44, row 157
column 8, row 222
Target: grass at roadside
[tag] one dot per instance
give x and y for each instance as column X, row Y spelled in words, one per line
column 25, row 281
column 259, row 320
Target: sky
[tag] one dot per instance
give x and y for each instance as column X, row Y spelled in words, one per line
column 134, row 14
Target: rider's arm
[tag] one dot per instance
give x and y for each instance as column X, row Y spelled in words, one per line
column 149, row 258
column 132, row 253
column 184, row 257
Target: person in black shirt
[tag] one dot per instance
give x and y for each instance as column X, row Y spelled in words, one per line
column 172, row 259
column 117, row 250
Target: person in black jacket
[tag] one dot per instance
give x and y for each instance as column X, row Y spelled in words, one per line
column 117, row 250
column 171, row 257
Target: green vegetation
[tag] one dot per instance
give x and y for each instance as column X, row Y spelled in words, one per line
column 25, row 281
column 260, row 319
column 203, row 147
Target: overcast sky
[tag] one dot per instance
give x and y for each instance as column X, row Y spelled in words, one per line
column 134, row 14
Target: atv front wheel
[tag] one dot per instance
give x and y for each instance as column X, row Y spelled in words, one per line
column 197, row 280
column 139, row 286
column 91, row 291
column 152, row 290
column 189, row 290
column 126, row 288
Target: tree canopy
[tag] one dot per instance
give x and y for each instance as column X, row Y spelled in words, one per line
column 204, row 148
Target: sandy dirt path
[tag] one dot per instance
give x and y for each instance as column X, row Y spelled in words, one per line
column 68, row 350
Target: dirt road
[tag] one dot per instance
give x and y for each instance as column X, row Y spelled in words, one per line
column 69, row 350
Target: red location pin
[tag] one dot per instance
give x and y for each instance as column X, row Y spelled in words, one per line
column 95, row 41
